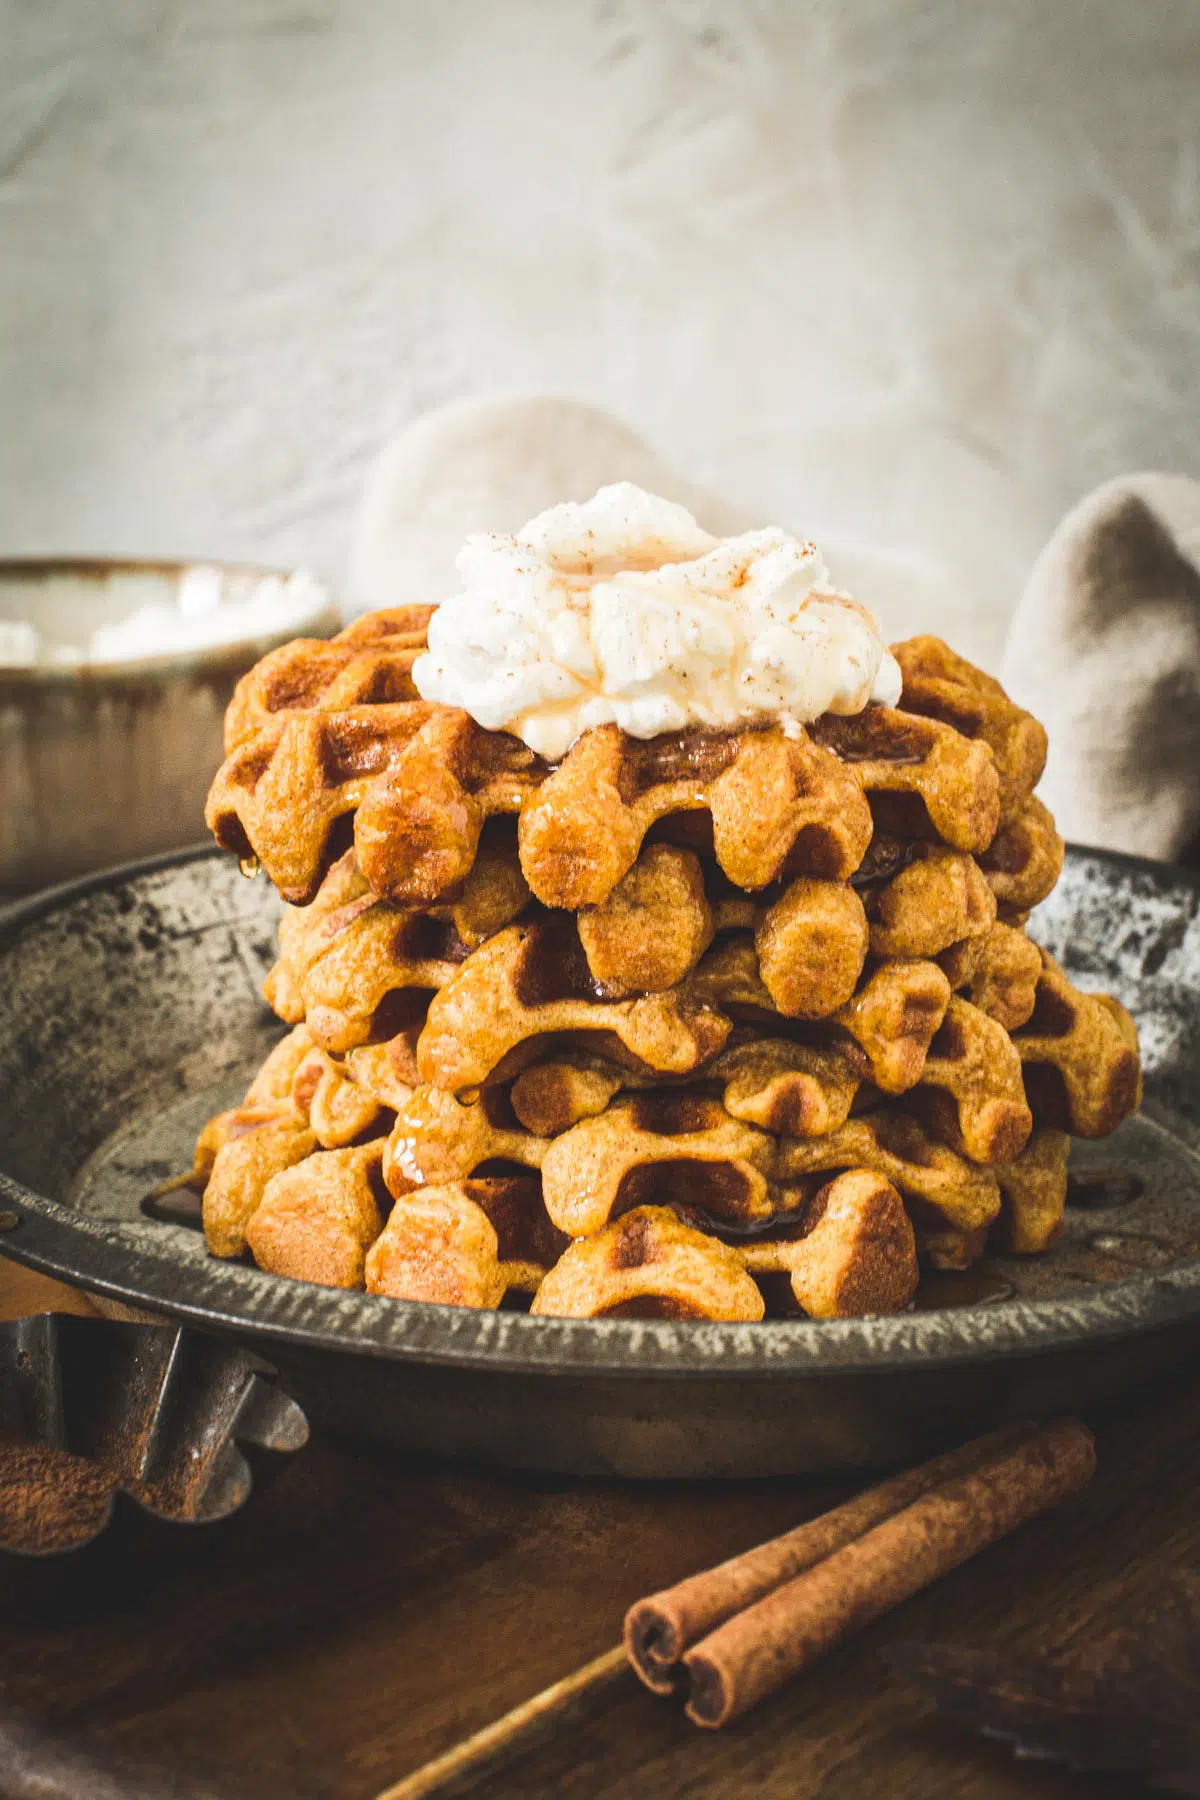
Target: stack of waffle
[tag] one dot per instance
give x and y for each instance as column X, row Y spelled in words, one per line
column 694, row 1027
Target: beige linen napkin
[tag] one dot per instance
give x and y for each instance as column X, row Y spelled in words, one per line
column 1104, row 648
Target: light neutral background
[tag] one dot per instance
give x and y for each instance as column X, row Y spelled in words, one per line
column 922, row 271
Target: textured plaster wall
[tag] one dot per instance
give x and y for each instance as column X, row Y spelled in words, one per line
column 921, row 270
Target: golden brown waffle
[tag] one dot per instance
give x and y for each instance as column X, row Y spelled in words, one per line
column 924, row 779
column 649, row 1265
column 941, row 685
column 1033, row 1190
column 340, row 970
column 1080, row 1058
column 794, row 1090
column 851, row 1254
column 317, row 1219
column 246, row 1161
column 268, row 1097
column 437, row 1140
column 388, row 1070
column 299, row 1081
column 532, row 981
column 368, row 664
column 884, row 1029
column 810, row 936
column 300, row 1101
column 685, row 1148
column 777, row 804
column 942, row 1246
column 940, row 900
column 1002, row 976
column 889, row 1024
column 790, row 1089
column 775, row 1000
column 336, row 1108
column 939, row 1187
column 571, row 1085
column 341, row 956
column 415, row 782
column 1024, row 859
column 971, row 1092
column 344, row 953
column 652, row 929
column 465, row 1243
column 677, row 1147
column 811, row 945
column 238, row 1151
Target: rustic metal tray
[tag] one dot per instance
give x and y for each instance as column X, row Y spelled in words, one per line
column 131, row 1011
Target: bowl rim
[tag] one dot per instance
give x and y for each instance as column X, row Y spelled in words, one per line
column 231, row 653
column 116, row 1260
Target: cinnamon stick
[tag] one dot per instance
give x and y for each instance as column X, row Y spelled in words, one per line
column 758, row 1649
column 659, row 1629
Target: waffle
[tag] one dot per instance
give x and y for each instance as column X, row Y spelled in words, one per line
column 341, row 956
column 253, row 1150
column 338, row 945
column 317, row 1219
column 336, row 970
column 531, row 984
column 884, row 1029
column 939, row 901
column 794, row 1090
column 649, row 1265
column 890, row 1023
column 1033, row 1192
column 335, row 1107
column 653, row 927
column 1002, row 975
column 923, row 779
column 437, row 1140
column 939, row 1187
column 940, row 685
column 1079, row 1055
column 678, row 1147
column 790, row 1089
column 811, row 945
column 810, row 935
column 776, row 804
column 971, row 1091
column 532, row 981
column 1024, row 859
column 414, row 782
column 388, row 1070
column 464, row 1244
column 685, row 1147
column 368, row 664
column 297, row 1081
column 853, row 1253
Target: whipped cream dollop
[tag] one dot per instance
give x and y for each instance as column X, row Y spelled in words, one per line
column 623, row 610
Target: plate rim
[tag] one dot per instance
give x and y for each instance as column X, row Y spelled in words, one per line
column 238, row 1298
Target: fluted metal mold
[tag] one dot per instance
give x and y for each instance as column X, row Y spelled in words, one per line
column 183, row 1426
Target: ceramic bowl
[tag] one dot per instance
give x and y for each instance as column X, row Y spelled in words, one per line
column 106, row 755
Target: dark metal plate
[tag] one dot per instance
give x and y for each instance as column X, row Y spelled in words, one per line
column 132, row 1011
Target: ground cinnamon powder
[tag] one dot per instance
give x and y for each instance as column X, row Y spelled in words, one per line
column 49, row 1498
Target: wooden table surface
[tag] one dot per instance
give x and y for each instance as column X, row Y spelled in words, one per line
column 368, row 1611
